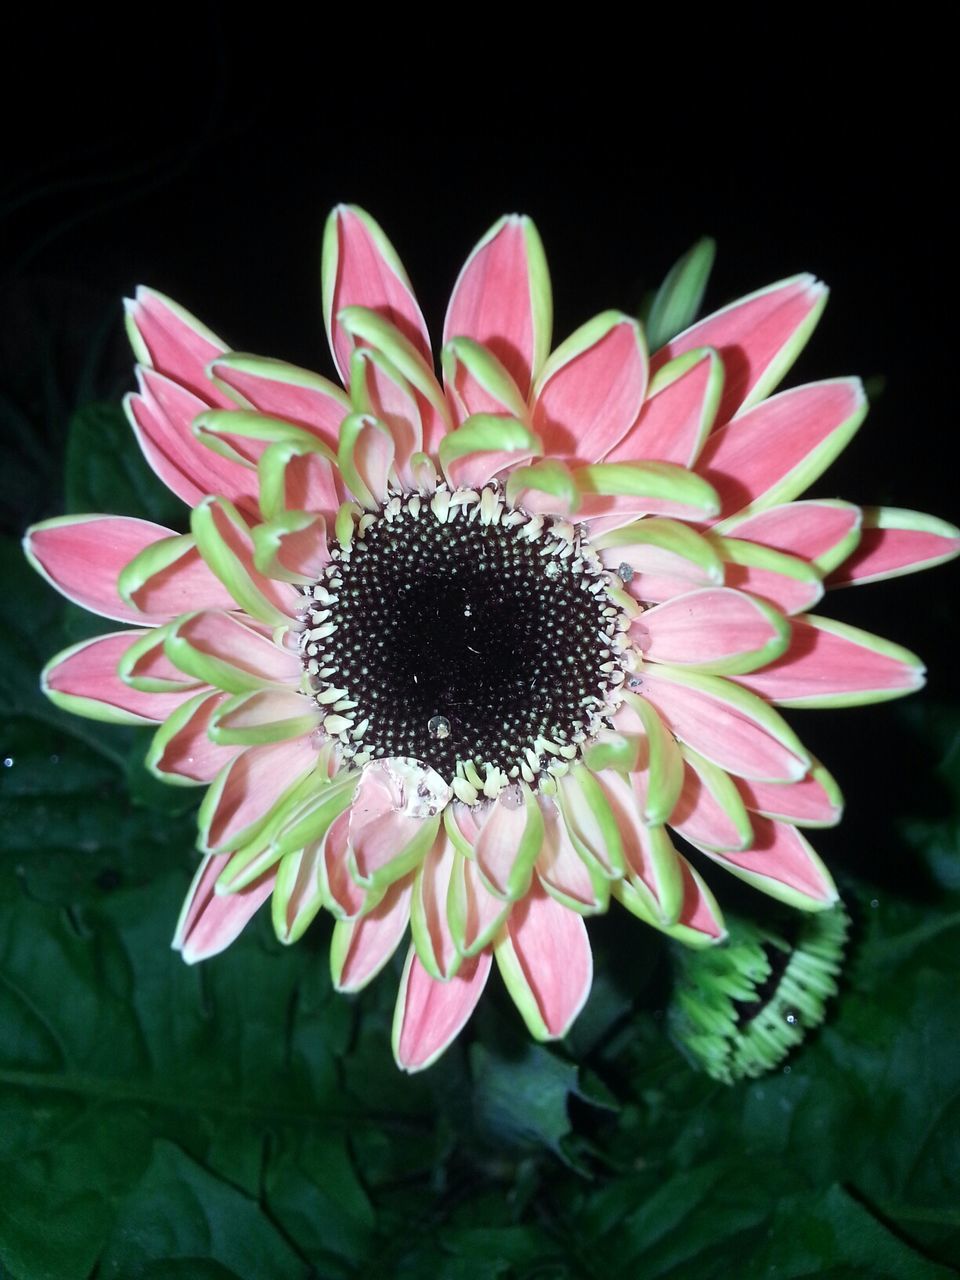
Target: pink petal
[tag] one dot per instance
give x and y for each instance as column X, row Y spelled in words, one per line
column 493, row 300
column 785, row 581
column 757, row 337
column 586, row 404
column 434, row 941
column 431, row 1014
column 225, row 637
column 905, row 543
column 553, row 952
column 282, row 391
column 781, row 858
column 560, row 866
column 82, row 557
column 309, row 481
column 253, row 783
column 89, row 671
column 498, row 843
column 828, row 661
column 722, row 731
column 810, row 529
column 393, row 401
column 183, row 586
column 703, row 627
column 361, row 269
column 780, row 447
column 189, row 753
column 383, row 816
column 226, row 541
column 162, row 415
column 804, row 803
column 211, row 921
column 673, row 422
column 701, row 819
column 481, row 910
column 175, row 342
column 344, row 890
column 373, row 938
column 699, row 911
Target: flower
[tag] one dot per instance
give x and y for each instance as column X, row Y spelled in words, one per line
column 461, row 655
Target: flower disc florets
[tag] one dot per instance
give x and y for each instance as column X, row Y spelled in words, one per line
column 472, row 636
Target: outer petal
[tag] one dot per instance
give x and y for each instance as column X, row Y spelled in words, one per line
column 823, row 531
column 502, row 299
column 82, row 557
column 667, row 558
column 181, row 752
column 814, row 801
column 545, row 960
column 782, row 864
column 167, row 337
column 714, row 629
column 895, row 542
column 223, row 650
column 360, row 948
column 710, row 812
column 225, row 541
column 162, row 415
column 429, row 923
column 786, row 581
column 209, row 922
column 361, row 268
column 742, row 735
column 83, row 679
column 591, row 390
column 700, row 923
column 282, row 391
column 778, row 449
column 430, row 1014
column 758, row 338
column 168, row 578
column 679, row 413
column 830, row 664
column 614, row 494
column 242, row 796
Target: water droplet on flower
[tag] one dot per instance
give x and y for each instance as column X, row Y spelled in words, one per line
column 438, row 727
column 512, row 797
column 634, row 683
column 791, row 1017
column 625, row 571
column 418, row 790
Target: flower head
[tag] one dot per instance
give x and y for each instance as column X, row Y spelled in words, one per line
column 469, row 655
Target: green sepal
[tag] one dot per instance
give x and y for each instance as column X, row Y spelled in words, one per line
column 406, row 859
column 169, row 730
column 227, row 565
column 262, row 827
column 315, row 818
column 76, row 704
column 421, row 934
column 288, row 872
column 208, row 668
column 608, row 830
column 268, row 539
column 663, row 764
column 256, row 735
column 350, row 430
column 272, row 471
column 659, row 481
column 487, row 433
column 548, row 476
column 370, row 327
column 150, row 684
column 213, row 427
column 725, row 792
column 484, row 367
column 677, row 302
column 149, row 562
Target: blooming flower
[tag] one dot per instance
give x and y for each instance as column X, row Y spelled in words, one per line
column 462, row 655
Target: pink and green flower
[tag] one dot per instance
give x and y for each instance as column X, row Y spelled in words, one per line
column 460, row 659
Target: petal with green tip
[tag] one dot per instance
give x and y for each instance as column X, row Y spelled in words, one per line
column 546, row 963
column 700, row 923
column 366, row 455
column 209, row 922
column 181, row 751
column 592, row 388
column 786, row 581
column 429, row 924
column 241, row 798
column 268, row 715
column 484, row 445
column 291, row 547
column 509, row 841
column 576, row 884
column 814, row 801
column 544, row 487
column 709, row 811
column 613, row 494
column 145, row 665
column 831, row 664
column 225, row 541
column 666, row 558
column 659, row 760
column 167, row 337
column 477, row 382
column 297, row 477
column 297, row 896
column 83, row 679
column 782, row 864
column 282, row 390
column 503, row 301
column 679, row 412
column 429, row 1014
column 392, row 825
column 714, row 630
column 360, row 948
column 379, row 390
column 823, row 531
column 895, row 542
column 360, row 267
column 168, row 578
column 222, row 650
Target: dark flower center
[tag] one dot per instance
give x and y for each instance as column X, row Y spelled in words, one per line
column 457, row 640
